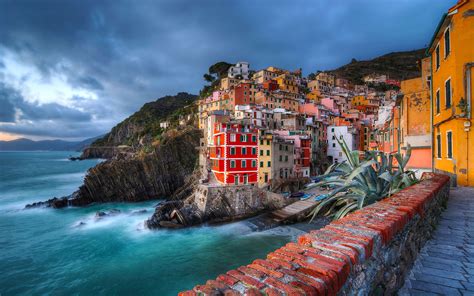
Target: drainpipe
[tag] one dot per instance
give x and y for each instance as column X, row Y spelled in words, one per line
column 467, row 80
column 431, row 116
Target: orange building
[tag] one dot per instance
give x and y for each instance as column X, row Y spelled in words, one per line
column 452, row 61
column 415, row 125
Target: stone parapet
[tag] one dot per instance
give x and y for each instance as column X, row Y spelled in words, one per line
column 369, row 251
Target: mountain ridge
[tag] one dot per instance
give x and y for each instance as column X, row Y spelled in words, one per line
column 25, row 144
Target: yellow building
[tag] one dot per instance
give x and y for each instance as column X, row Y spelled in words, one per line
column 264, row 159
column 452, row 58
column 287, row 82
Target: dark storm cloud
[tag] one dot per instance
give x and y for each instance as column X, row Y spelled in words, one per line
column 130, row 52
column 18, row 116
column 34, row 111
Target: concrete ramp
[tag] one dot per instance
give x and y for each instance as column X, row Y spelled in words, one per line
column 295, row 211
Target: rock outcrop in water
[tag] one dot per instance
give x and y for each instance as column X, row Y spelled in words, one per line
column 215, row 204
column 143, row 177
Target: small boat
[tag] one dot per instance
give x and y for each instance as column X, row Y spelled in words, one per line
column 297, row 194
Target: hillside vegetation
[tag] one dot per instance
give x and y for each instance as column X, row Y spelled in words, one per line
column 143, row 127
column 397, row 65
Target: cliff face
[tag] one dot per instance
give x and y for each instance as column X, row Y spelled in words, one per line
column 143, row 177
column 142, row 128
column 155, row 175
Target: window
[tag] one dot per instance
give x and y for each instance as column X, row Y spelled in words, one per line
column 447, row 43
column 447, row 90
column 280, row 147
column 437, row 57
column 218, row 141
column 232, row 150
column 438, row 146
column 261, row 142
column 232, row 164
column 254, row 163
column 261, row 164
column 244, row 163
column 261, row 152
column 332, row 130
column 254, row 151
column 437, row 101
column 334, row 145
column 236, row 180
column 268, row 152
column 268, row 142
column 269, row 163
column 243, row 138
column 232, row 137
column 286, row 157
column 254, row 138
column 244, row 151
column 449, row 144
column 266, row 177
column 281, row 157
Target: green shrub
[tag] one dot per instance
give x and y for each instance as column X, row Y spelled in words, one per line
column 361, row 181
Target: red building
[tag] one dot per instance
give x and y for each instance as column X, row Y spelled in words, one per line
column 234, row 154
column 243, row 94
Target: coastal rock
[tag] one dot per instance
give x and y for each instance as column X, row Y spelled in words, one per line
column 112, row 212
column 138, row 212
column 216, row 205
column 154, row 175
column 55, row 202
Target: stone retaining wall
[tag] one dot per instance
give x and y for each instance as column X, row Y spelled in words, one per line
column 368, row 252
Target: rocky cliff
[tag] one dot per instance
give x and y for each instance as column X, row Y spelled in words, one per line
column 143, row 177
column 142, row 129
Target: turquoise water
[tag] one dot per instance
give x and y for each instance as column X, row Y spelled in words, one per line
column 46, row 251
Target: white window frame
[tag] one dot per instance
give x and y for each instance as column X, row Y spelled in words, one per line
column 232, row 137
column 444, row 38
column 243, row 163
column 232, row 164
column 447, row 143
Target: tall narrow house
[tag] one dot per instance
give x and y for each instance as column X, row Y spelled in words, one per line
column 452, row 60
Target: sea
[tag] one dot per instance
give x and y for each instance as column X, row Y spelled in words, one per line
column 69, row 251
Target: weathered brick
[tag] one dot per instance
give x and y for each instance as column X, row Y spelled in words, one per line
column 251, row 272
column 281, row 263
column 283, row 287
column 205, row 289
column 308, row 290
column 252, row 292
column 329, row 282
column 266, row 271
column 316, row 283
column 227, row 279
column 217, row 284
column 246, row 280
column 187, row 293
column 272, row 292
column 266, row 263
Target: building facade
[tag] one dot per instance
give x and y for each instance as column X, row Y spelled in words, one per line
column 452, row 61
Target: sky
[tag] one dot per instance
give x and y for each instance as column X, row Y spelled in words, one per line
column 74, row 69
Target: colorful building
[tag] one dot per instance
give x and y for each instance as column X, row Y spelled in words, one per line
column 275, row 160
column 452, row 87
column 234, row 154
column 415, row 124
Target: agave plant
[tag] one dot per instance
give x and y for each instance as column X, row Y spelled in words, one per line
column 361, row 181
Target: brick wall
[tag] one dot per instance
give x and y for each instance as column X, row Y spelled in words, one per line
column 369, row 251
